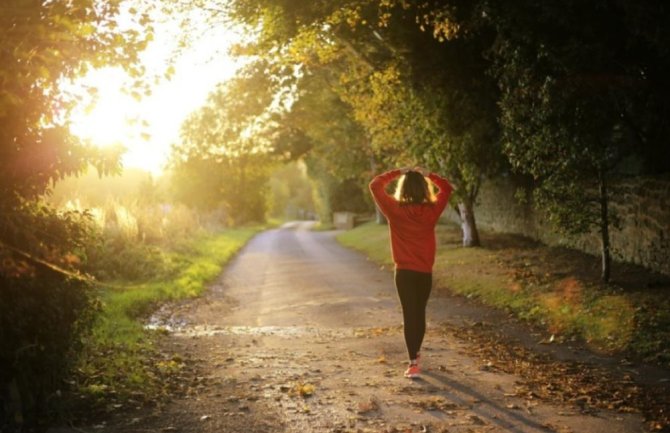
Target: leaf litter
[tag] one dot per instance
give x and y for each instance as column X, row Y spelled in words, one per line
column 587, row 387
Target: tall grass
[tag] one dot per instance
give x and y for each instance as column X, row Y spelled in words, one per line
column 142, row 255
column 119, row 360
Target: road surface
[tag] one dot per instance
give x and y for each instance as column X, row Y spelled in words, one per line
column 302, row 335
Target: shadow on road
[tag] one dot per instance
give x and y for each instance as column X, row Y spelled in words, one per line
column 509, row 419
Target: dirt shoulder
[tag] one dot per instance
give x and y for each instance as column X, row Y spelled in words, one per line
column 567, row 373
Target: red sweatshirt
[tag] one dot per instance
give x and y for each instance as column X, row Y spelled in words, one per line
column 412, row 226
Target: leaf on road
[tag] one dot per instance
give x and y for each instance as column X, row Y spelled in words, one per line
column 303, row 390
column 367, row 406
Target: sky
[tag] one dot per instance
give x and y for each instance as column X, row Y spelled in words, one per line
column 196, row 72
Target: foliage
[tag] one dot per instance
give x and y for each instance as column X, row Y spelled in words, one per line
column 90, row 190
column 38, row 293
column 578, row 98
column 418, row 97
column 581, row 88
column 45, row 308
column 130, row 223
column 225, row 155
column 128, row 242
column 339, row 158
column 348, row 196
column 338, row 144
column 434, row 96
column 291, row 192
column 114, row 258
column 42, row 318
column 45, row 43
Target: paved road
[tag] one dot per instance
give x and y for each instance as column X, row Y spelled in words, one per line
column 297, row 277
column 302, row 335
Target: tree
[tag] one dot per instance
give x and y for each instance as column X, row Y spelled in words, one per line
column 417, row 98
column 436, row 100
column 581, row 92
column 44, row 304
column 291, row 192
column 45, row 43
column 226, row 150
column 339, row 153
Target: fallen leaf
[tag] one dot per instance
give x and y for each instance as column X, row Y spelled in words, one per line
column 367, row 406
column 304, row 389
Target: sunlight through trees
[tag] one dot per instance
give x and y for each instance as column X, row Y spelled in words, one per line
column 277, row 108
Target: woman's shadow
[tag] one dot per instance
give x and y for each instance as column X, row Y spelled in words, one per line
column 510, row 420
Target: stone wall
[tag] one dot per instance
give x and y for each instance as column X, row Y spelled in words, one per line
column 642, row 205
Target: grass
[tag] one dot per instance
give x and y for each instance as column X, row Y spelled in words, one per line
column 556, row 288
column 119, row 359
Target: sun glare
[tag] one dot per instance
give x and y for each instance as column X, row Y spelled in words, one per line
column 109, row 118
column 147, row 127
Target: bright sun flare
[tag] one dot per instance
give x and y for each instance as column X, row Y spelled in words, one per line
column 147, row 128
column 108, row 120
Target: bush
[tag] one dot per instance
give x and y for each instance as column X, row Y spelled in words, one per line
column 45, row 308
column 42, row 319
column 129, row 240
column 116, row 259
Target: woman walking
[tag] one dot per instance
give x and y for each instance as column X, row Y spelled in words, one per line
column 412, row 214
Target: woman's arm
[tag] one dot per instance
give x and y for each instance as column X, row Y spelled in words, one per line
column 378, row 189
column 444, row 192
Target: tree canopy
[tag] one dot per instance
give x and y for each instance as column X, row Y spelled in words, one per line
column 574, row 91
column 44, row 44
column 226, row 149
column 417, row 98
column 44, row 304
column 582, row 101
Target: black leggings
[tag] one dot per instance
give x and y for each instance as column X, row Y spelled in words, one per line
column 413, row 290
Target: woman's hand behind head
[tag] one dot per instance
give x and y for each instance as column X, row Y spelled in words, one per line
column 421, row 170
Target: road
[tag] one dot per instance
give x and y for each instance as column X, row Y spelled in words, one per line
column 302, row 335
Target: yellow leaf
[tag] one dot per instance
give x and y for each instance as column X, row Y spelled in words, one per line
column 305, row 389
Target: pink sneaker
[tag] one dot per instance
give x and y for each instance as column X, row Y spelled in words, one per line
column 413, row 371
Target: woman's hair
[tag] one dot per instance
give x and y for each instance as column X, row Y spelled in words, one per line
column 413, row 188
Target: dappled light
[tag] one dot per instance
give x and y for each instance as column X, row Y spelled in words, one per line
column 176, row 80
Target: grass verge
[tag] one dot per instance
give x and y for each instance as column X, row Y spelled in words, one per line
column 120, row 362
column 556, row 288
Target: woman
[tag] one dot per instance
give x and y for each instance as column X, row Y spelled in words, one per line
column 412, row 215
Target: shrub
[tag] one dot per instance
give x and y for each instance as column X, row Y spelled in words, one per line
column 42, row 319
column 45, row 308
column 128, row 240
column 119, row 259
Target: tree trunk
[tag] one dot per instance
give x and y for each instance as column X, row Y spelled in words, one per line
column 379, row 217
column 468, row 225
column 604, row 229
